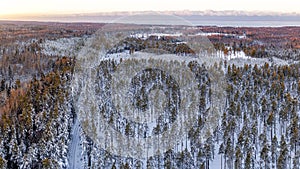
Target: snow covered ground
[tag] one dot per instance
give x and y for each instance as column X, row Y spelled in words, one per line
column 159, row 35
column 63, row 46
column 219, row 34
column 75, row 150
column 238, row 58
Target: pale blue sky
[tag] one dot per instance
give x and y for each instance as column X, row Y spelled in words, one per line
column 11, row 7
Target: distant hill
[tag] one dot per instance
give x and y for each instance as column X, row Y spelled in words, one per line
column 208, row 17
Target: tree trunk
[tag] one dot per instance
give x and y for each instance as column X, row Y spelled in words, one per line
column 221, row 161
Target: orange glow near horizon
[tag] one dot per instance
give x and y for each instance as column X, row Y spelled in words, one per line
column 21, row 8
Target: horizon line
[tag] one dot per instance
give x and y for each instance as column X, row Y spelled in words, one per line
column 185, row 12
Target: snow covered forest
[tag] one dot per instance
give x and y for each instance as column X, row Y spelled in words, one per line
column 256, row 126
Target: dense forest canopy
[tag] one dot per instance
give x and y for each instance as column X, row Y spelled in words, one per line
column 258, row 125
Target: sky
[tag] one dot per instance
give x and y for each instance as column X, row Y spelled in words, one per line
column 34, row 7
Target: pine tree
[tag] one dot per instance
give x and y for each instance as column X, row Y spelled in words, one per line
column 298, row 89
column 271, row 122
column 264, row 156
column 168, row 160
column 2, row 85
column 248, row 161
column 274, row 153
column 238, row 158
column 281, row 163
column 114, row 166
column 283, row 156
column 296, row 162
column 294, row 132
column 3, row 163
column 229, row 152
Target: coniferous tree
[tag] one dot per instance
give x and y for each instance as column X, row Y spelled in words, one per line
column 238, row 158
